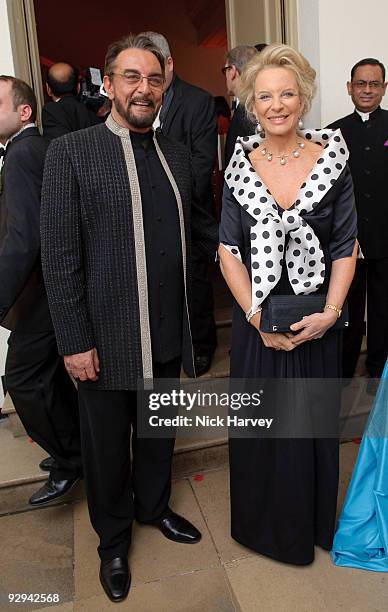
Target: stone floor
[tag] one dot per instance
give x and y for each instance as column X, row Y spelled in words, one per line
column 52, row 550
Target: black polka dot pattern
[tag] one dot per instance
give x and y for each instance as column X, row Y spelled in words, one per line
column 303, row 256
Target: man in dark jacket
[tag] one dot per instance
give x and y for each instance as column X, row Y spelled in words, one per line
column 116, row 232
column 41, row 390
column 188, row 115
column 366, row 134
column 64, row 113
column 240, row 125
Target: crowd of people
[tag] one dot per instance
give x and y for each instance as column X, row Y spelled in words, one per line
column 107, row 232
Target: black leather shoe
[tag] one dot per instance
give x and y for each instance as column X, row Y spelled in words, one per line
column 202, row 364
column 178, row 529
column 52, row 490
column 47, row 464
column 115, row 578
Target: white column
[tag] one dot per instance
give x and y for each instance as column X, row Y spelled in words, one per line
column 308, row 44
column 6, row 67
column 6, row 59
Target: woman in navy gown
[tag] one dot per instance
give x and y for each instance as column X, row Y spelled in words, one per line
column 288, row 227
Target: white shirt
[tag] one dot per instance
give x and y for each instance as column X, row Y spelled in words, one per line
column 364, row 116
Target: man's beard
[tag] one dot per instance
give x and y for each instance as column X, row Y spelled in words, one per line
column 143, row 121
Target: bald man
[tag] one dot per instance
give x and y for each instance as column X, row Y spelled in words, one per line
column 64, row 113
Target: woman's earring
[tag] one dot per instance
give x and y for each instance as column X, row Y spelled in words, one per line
column 259, row 129
column 300, row 124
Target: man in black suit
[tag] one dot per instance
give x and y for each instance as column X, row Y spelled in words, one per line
column 117, row 219
column 366, row 134
column 41, row 390
column 240, row 125
column 64, row 113
column 188, row 115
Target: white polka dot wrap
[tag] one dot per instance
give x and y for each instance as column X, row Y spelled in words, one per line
column 304, row 255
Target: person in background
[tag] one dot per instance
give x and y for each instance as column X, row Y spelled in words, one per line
column 64, row 113
column 187, row 115
column 361, row 537
column 366, row 134
column 223, row 122
column 223, row 113
column 43, row 394
column 241, row 124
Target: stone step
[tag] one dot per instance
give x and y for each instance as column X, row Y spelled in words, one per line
column 20, row 458
column 219, row 369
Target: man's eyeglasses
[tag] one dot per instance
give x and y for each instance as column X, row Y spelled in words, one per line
column 364, row 84
column 155, row 81
column 225, row 68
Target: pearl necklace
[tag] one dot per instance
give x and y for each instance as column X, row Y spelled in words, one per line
column 283, row 158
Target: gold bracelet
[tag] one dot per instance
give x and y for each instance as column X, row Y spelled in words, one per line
column 335, row 308
column 251, row 313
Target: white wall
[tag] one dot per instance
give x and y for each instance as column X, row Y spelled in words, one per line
column 334, row 35
column 6, row 67
column 349, row 31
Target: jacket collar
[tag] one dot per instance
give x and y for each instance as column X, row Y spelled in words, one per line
column 174, row 104
column 372, row 116
column 25, row 132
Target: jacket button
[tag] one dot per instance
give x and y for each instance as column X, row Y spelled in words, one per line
column 162, row 252
column 367, row 195
column 161, row 284
column 367, row 148
column 367, row 172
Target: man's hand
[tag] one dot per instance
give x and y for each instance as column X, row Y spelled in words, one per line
column 313, row 327
column 83, row 366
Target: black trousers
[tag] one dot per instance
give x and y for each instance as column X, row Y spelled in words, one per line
column 45, row 398
column 203, row 324
column 117, row 491
column 371, row 282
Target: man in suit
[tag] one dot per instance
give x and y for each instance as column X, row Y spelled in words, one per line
column 116, row 234
column 366, row 134
column 188, row 115
column 41, row 390
column 64, row 113
column 240, row 125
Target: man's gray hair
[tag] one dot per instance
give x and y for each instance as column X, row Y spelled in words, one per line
column 239, row 56
column 131, row 42
column 160, row 41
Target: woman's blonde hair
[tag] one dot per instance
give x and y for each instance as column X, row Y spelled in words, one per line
column 278, row 56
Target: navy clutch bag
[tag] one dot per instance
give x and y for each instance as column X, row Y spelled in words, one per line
column 281, row 311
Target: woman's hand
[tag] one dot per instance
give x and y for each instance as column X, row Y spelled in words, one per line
column 279, row 342
column 313, row 327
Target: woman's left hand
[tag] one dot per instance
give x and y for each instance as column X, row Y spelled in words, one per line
column 313, row 327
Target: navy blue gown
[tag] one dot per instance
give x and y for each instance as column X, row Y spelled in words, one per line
column 284, row 491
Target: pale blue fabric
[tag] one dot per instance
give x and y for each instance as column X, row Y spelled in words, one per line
column 361, row 539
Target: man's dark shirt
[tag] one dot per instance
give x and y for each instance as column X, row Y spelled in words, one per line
column 163, row 250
